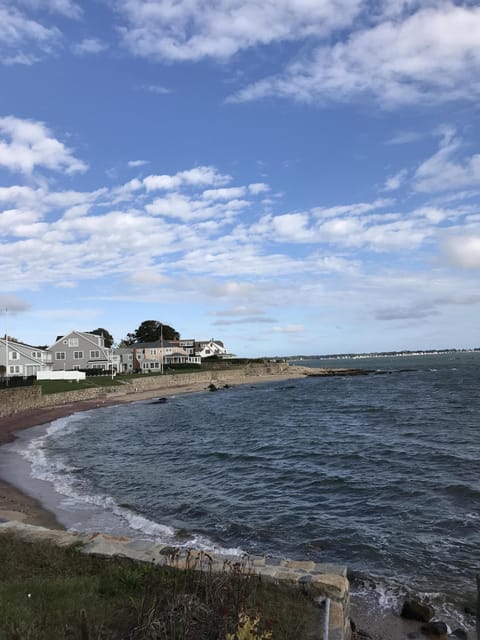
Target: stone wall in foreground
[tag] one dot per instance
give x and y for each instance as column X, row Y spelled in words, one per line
column 26, row 398
column 321, row 581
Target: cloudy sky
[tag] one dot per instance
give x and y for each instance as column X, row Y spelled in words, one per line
column 290, row 176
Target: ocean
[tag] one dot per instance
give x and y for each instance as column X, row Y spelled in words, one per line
column 378, row 472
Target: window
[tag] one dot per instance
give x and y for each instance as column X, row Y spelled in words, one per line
column 36, row 354
column 76, row 367
column 95, row 354
column 73, row 342
column 78, row 355
column 15, row 369
column 14, row 355
column 60, row 355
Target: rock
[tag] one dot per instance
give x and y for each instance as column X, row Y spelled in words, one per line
column 469, row 611
column 212, row 387
column 436, row 630
column 159, row 401
column 460, row 633
column 415, row 610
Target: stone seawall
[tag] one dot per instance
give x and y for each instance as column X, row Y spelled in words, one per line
column 321, row 581
column 27, row 398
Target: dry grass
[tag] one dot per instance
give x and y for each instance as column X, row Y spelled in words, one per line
column 52, row 593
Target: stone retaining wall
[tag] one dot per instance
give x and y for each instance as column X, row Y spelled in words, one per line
column 321, row 581
column 27, row 398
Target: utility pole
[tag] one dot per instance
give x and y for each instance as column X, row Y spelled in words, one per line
column 161, row 348
column 6, row 347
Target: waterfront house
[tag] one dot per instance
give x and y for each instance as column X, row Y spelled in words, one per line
column 153, row 356
column 209, row 348
column 81, row 350
column 19, row 359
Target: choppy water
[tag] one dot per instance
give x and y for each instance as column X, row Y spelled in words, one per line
column 381, row 472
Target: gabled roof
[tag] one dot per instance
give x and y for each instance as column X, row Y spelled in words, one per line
column 83, row 334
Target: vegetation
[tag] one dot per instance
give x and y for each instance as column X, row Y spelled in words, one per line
column 107, row 336
column 54, row 593
column 151, row 331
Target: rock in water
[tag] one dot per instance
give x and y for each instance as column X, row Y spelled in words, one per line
column 436, row 630
column 416, row 610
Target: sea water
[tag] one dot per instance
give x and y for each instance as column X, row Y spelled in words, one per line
column 379, row 472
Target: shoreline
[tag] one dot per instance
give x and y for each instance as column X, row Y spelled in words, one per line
column 18, row 505
column 372, row 622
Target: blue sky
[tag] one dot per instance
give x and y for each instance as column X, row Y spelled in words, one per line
column 292, row 176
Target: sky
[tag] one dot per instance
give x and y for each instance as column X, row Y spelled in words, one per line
column 288, row 176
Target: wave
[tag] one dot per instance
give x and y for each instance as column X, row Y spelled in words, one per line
column 386, row 596
column 74, row 490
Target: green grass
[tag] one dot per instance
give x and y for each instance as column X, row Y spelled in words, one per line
column 53, row 593
column 91, row 382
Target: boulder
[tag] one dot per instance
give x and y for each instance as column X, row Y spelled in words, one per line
column 416, row 610
column 212, row 387
column 435, row 630
column 461, row 634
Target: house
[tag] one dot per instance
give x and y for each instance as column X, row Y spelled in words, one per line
column 209, row 348
column 21, row 359
column 81, row 350
column 124, row 357
column 153, row 356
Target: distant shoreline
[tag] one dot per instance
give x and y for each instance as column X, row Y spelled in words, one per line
column 383, row 354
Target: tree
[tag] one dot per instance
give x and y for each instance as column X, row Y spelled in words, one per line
column 151, row 331
column 107, row 336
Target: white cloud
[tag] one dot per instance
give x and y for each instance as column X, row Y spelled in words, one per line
column 292, row 227
column 185, row 208
column 355, row 209
column 442, row 172
column 258, row 187
column 137, row 163
column 196, row 29
column 26, row 145
column 156, row 88
column 463, row 251
column 431, row 55
column 64, row 7
column 290, row 328
column 204, row 175
column 12, row 304
column 21, row 38
column 395, row 182
column 224, row 194
column 89, row 46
